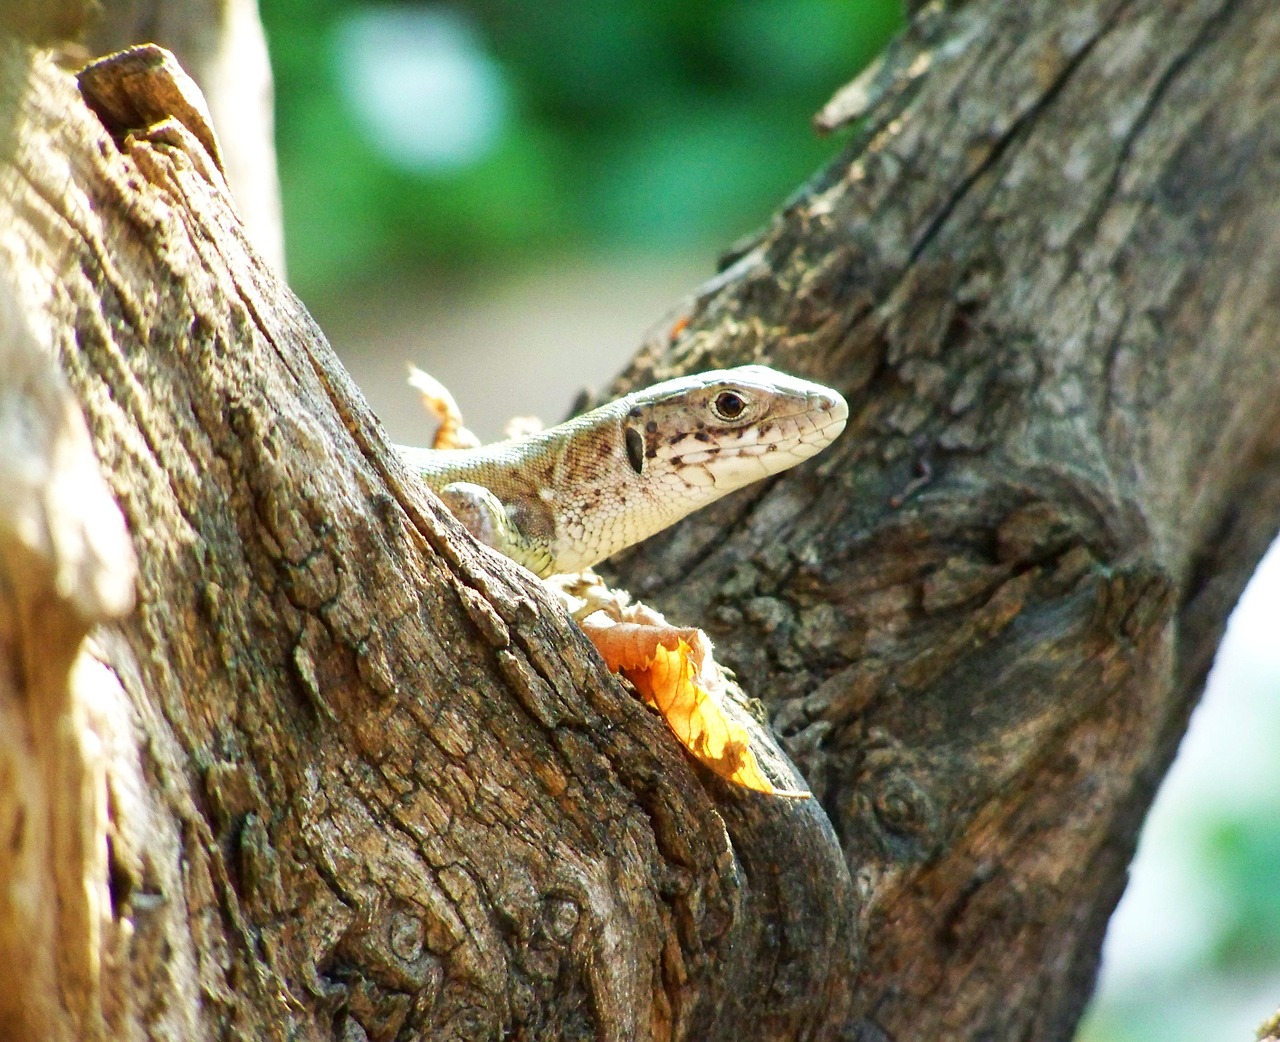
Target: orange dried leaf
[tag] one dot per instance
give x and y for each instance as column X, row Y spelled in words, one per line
column 672, row 671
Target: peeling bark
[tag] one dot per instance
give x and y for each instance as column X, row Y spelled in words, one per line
column 65, row 565
column 356, row 777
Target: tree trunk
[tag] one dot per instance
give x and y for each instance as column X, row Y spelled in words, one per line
column 341, row 773
column 221, row 45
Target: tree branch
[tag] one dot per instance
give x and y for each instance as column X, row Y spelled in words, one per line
column 1045, row 273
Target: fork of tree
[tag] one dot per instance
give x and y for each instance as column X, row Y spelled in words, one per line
column 333, row 774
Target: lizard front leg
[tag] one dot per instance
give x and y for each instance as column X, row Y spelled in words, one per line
column 483, row 515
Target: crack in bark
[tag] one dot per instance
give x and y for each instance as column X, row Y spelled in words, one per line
column 1164, row 83
column 998, row 149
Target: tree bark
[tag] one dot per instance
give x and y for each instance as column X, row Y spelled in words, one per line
column 221, row 45
column 342, row 773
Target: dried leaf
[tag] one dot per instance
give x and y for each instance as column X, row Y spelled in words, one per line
column 673, row 671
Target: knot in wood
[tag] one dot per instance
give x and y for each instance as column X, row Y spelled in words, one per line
column 406, row 935
column 560, row 915
column 902, row 806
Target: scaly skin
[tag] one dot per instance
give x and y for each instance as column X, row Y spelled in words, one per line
column 568, row 497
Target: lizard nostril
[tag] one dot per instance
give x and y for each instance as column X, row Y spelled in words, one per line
column 832, row 403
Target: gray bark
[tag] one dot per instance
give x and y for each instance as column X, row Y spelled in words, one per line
column 1045, row 270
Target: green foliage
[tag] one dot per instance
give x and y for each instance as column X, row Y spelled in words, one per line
column 1242, row 855
column 657, row 125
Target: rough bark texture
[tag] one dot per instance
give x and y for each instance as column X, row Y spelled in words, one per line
column 343, row 774
column 1046, row 272
column 221, row 45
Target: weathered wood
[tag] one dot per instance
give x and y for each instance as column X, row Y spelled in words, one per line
column 221, row 44
column 1047, row 274
column 357, row 778
column 375, row 781
column 65, row 564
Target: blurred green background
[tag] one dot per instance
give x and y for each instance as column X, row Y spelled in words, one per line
column 484, row 133
column 508, row 194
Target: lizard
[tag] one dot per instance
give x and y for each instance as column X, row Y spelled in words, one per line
column 563, row 499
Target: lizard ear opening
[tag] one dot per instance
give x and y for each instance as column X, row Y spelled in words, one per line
column 635, row 450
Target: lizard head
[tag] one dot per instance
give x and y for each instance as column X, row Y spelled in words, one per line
column 724, row 429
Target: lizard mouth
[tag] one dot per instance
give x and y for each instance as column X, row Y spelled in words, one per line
column 755, row 452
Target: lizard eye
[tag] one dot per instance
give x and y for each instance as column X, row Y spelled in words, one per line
column 728, row 405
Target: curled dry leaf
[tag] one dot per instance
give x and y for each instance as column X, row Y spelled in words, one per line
column 438, row 400
column 672, row 669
